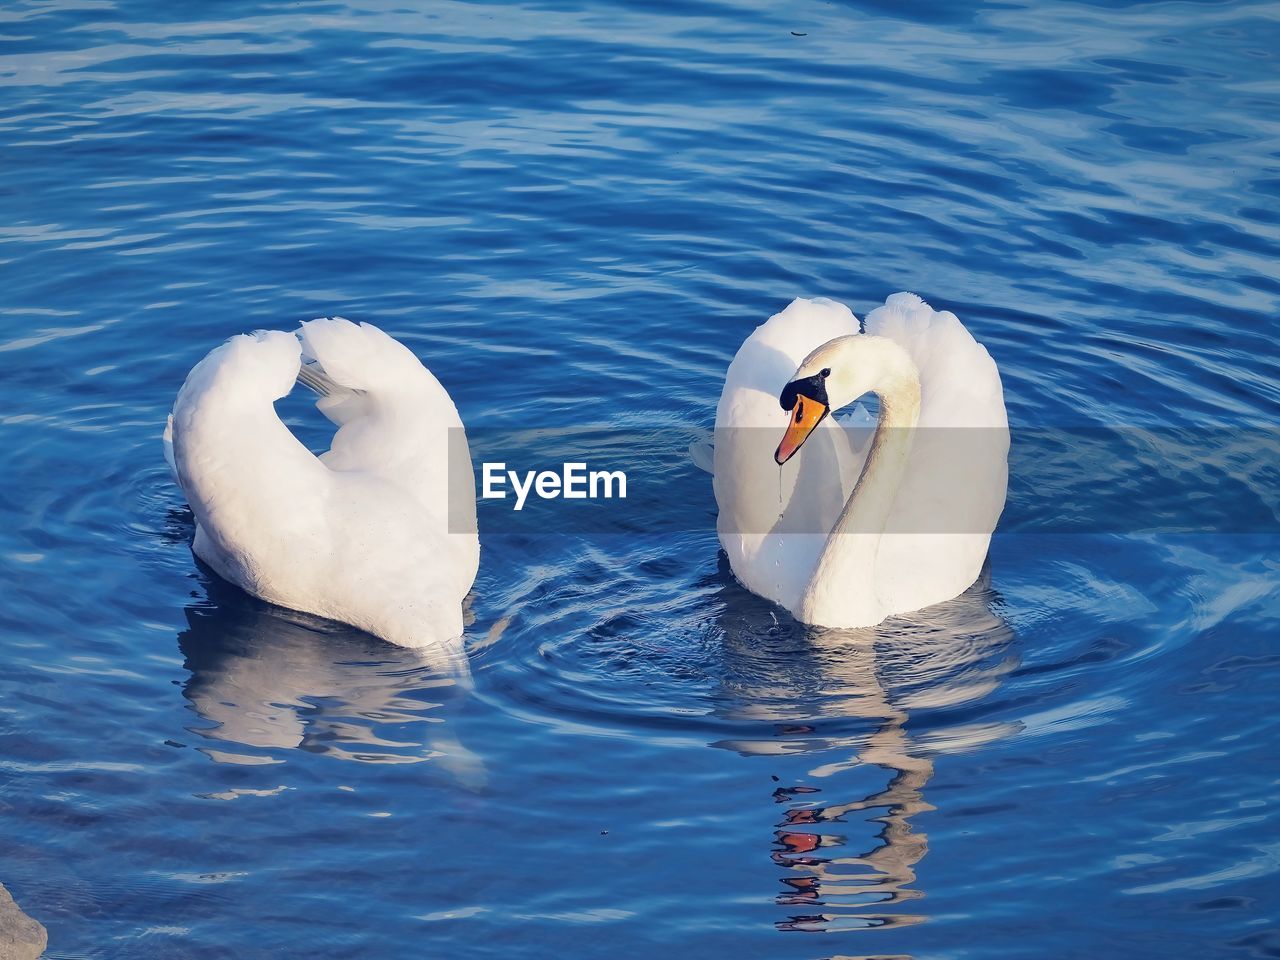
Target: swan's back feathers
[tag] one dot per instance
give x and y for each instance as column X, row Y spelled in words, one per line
column 361, row 535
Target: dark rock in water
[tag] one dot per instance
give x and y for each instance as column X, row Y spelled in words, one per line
column 21, row 938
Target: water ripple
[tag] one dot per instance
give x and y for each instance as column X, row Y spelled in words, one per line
column 558, row 206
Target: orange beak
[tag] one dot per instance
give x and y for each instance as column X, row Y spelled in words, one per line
column 805, row 416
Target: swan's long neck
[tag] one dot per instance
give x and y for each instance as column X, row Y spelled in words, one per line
column 847, row 563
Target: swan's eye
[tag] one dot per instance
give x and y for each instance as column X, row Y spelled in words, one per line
column 824, row 372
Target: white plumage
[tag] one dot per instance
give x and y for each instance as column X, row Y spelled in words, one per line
column 361, row 534
column 859, row 526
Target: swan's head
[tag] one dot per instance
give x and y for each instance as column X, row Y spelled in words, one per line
column 838, row 373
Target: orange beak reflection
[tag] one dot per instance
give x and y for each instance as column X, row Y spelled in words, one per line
column 805, row 416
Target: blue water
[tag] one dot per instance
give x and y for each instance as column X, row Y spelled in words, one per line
column 577, row 213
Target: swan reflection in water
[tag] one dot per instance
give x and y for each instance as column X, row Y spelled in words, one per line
column 844, row 697
column 267, row 680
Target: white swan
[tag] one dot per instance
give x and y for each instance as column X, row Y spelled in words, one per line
column 379, row 531
column 861, row 525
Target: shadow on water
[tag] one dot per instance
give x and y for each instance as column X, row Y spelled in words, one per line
column 266, row 680
column 841, row 700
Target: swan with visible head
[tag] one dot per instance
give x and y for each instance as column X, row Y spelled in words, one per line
column 377, row 532
column 843, row 524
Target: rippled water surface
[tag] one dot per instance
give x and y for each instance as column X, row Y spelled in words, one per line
column 577, row 213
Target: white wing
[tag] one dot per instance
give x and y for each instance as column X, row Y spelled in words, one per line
column 953, row 492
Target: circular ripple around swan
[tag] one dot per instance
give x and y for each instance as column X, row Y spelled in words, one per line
column 680, row 651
